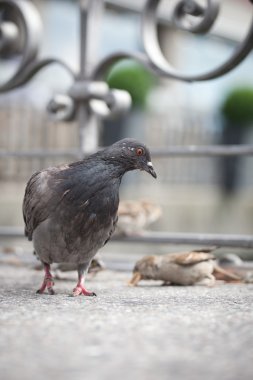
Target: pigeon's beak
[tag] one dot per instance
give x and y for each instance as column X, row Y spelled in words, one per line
column 149, row 169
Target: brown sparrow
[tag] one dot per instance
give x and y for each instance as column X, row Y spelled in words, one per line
column 134, row 216
column 185, row 268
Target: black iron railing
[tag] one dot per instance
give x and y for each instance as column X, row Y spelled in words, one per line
column 89, row 97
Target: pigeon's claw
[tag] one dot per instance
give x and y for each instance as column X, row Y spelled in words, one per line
column 47, row 284
column 80, row 290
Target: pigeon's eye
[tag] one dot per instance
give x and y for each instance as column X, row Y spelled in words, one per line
column 139, row 151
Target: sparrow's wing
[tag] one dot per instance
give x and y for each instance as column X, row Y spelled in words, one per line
column 190, row 258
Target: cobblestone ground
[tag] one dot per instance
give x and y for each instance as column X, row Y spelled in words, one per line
column 149, row 332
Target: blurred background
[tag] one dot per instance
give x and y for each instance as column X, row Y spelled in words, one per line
column 205, row 194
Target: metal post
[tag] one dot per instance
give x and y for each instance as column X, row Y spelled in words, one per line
column 90, row 15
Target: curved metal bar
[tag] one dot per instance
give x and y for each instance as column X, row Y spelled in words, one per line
column 23, row 76
column 155, row 55
column 29, row 23
column 103, row 66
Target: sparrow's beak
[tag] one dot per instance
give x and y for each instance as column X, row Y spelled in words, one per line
column 149, row 169
column 135, row 279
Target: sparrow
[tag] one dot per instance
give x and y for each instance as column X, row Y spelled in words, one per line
column 135, row 216
column 184, row 268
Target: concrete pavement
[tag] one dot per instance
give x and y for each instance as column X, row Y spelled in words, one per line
column 149, row 332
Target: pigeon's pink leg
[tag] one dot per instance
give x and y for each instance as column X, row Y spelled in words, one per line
column 48, row 282
column 80, row 289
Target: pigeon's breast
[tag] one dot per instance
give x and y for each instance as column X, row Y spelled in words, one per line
column 77, row 229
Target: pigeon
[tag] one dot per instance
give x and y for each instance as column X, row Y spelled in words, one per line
column 135, row 216
column 70, row 211
column 184, row 268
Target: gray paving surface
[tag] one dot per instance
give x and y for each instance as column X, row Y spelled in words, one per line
column 149, row 332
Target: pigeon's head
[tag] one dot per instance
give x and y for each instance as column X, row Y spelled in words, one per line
column 133, row 155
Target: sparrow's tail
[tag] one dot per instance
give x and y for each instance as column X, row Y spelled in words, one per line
column 225, row 275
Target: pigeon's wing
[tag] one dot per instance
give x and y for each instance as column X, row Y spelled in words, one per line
column 37, row 201
column 73, row 186
column 190, row 258
column 112, row 230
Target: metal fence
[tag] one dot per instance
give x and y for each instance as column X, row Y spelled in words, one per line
column 89, row 98
column 31, row 141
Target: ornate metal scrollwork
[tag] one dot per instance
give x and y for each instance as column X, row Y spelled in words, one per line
column 20, row 31
column 154, row 60
column 207, row 16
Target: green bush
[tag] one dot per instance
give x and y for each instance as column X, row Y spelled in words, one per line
column 238, row 106
column 132, row 77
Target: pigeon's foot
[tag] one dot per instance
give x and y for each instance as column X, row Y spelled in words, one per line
column 80, row 290
column 48, row 282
